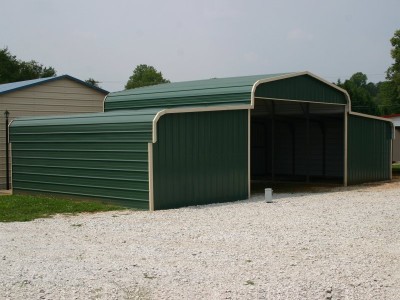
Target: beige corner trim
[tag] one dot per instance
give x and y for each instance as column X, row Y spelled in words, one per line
column 104, row 101
column 345, row 148
column 8, row 128
column 249, row 150
column 150, row 167
column 193, row 109
column 10, row 154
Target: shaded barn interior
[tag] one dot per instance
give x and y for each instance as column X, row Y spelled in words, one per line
column 297, row 141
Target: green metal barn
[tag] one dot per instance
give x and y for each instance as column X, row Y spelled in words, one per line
column 199, row 142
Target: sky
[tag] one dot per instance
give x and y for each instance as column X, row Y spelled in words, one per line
column 189, row 40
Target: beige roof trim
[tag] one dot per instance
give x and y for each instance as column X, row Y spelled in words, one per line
column 192, row 109
column 376, row 118
column 291, row 75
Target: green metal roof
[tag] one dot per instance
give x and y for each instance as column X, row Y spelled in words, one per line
column 299, row 86
column 215, row 91
column 127, row 116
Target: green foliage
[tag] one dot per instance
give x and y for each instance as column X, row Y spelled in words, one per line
column 92, row 82
column 145, row 75
column 13, row 69
column 387, row 98
column 392, row 92
column 361, row 94
column 393, row 72
column 18, row 208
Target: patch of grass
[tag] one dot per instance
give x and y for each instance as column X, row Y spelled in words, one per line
column 396, row 168
column 21, row 208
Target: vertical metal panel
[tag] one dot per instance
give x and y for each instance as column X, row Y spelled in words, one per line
column 396, row 145
column 305, row 88
column 87, row 157
column 369, row 143
column 201, row 158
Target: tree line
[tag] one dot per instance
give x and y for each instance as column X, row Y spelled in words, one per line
column 380, row 98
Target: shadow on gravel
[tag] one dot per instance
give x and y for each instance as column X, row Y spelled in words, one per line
column 283, row 190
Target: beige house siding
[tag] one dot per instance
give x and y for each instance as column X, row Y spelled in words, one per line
column 62, row 96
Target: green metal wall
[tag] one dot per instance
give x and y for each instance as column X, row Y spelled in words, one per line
column 102, row 156
column 369, row 148
column 304, row 88
column 201, row 158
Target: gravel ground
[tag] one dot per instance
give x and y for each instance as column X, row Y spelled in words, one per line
column 342, row 244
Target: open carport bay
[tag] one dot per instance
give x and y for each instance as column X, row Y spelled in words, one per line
column 297, row 141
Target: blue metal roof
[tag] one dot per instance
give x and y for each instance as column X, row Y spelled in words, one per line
column 14, row 86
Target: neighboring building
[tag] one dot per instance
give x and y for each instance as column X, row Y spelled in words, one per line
column 205, row 141
column 395, row 118
column 45, row 96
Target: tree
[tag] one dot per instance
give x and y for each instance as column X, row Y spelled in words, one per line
column 386, row 98
column 92, row 82
column 361, row 93
column 9, row 66
column 393, row 75
column 145, row 75
column 13, row 69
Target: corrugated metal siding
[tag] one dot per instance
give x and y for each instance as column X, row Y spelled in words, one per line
column 58, row 97
column 304, row 88
column 222, row 99
column 200, row 158
column 369, row 142
column 216, row 91
column 89, row 156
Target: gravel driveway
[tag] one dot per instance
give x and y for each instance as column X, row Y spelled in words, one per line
column 343, row 244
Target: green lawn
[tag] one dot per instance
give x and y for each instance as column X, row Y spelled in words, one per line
column 396, row 168
column 20, row 208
